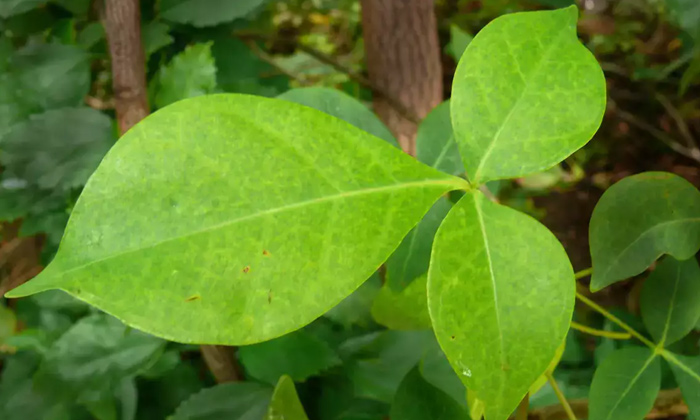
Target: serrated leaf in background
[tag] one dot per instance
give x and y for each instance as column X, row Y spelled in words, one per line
column 232, row 401
column 58, row 149
column 207, row 12
column 639, row 219
column 190, row 73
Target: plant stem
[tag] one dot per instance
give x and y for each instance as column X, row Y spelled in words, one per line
column 560, row 396
column 583, row 273
column 615, row 319
column 600, row 333
column 521, row 413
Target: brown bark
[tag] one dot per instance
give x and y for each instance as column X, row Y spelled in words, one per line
column 221, row 363
column 403, row 61
column 122, row 21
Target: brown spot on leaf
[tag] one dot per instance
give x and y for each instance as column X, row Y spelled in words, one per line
column 269, row 296
column 193, row 298
column 266, row 252
column 453, row 337
column 246, row 269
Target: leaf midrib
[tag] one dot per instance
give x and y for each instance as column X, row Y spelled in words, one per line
column 493, row 284
column 631, row 384
column 515, row 106
column 330, row 198
column 667, row 324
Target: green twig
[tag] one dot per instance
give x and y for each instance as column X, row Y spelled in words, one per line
column 615, row 319
column 560, row 396
column 583, row 273
column 600, row 333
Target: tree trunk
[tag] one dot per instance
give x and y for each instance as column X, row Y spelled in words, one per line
column 403, row 61
column 122, row 21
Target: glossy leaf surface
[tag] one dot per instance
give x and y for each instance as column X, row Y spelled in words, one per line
column 501, row 295
column 435, row 142
column 639, row 219
column 625, row 385
column 670, row 300
column 526, row 95
column 416, row 399
column 285, row 404
column 247, row 217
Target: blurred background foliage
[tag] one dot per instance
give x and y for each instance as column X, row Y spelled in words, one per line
column 64, row 360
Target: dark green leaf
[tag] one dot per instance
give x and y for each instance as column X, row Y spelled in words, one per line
column 8, row 323
column 57, row 149
column 501, row 296
column 526, row 95
column 95, row 354
column 299, row 355
column 378, row 362
column 232, row 401
column 416, row 399
column 670, row 300
column 206, row 12
column 437, row 370
column 459, row 40
column 155, row 36
column 14, row 7
column 355, row 309
column 190, row 73
column 435, row 143
column 239, row 70
column 77, row 7
column 248, row 217
column 687, row 16
column 687, row 372
column 404, row 310
column 91, row 35
column 285, row 404
column 340, row 105
column 412, row 257
column 625, row 385
column 639, row 219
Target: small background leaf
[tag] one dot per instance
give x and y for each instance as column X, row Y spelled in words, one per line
column 190, row 73
column 686, row 370
column 670, row 300
column 232, row 401
column 206, row 12
column 416, row 399
column 285, row 404
column 435, row 142
column 404, row 310
column 637, row 220
column 625, row 385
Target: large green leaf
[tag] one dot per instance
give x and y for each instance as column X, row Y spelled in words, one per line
column 625, row 385
column 435, row 142
column 416, row 399
column 95, row 354
column 412, row 257
column 232, row 401
column 501, row 296
column 403, row 310
column 670, row 300
column 526, row 95
column 206, row 12
column 686, row 369
column 639, row 219
column 299, row 355
column 340, row 105
column 190, row 73
column 247, row 217
column 285, row 404
column 58, row 149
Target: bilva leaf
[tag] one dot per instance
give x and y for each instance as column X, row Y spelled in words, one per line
column 501, row 296
column 625, row 385
column 670, row 300
column 686, row 369
column 639, row 219
column 526, row 95
column 247, row 217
